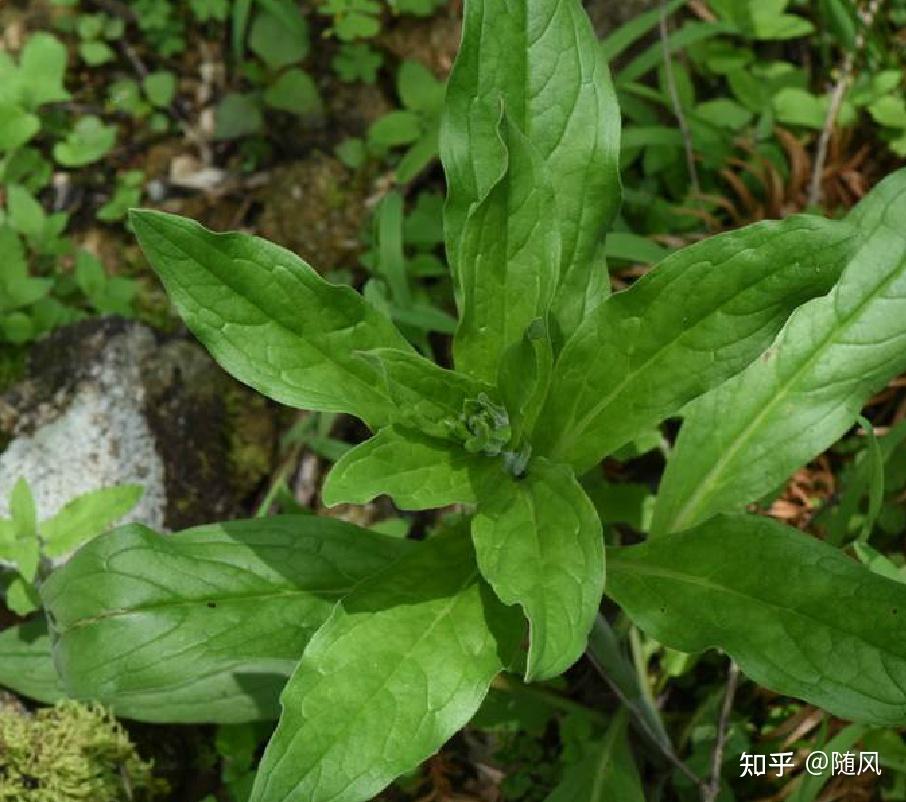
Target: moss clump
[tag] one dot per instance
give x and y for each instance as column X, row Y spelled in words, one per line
column 71, row 752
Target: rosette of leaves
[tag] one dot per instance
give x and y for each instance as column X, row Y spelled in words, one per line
column 768, row 339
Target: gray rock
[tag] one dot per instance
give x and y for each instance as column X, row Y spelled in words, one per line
column 107, row 401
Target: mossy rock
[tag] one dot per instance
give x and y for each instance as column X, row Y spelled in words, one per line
column 71, row 752
column 109, row 401
column 316, row 208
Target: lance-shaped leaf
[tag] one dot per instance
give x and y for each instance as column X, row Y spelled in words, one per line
column 741, row 440
column 425, row 396
column 797, row 615
column 269, row 319
column 605, row 773
column 541, row 61
column 524, row 378
column 26, row 664
column 510, row 252
column 206, row 624
column 539, row 544
column 87, row 516
column 694, row 321
column 416, row 471
column 400, row 666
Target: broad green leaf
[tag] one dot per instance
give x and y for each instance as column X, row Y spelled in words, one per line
column 25, row 213
column 237, row 115
column 524, row 378
column 17, row 126
column 797, row 615
column 695, row 320
column 510, row 251
column 89, row 140
column 280, row 39
column 295, row 91
column 86, row 516
column 269, row 319
column 21, row 596
column 889, row 110
column 17, row 327
column 398, row 127
column 206, row 624
column 739, row 441
column 399, row 667
column 160, row 87
column 95, row 53
column 425, row 396
column 795, row 106
column 417, row 472
column 539, row 545
column 26, row 664
column 606, row 773
column 42, row 67
column 541, row 61
column 418, row 89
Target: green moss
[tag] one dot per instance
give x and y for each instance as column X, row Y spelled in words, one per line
column 71, row 752
column 250, row 429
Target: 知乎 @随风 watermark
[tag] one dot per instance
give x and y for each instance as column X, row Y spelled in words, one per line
column 816, row 764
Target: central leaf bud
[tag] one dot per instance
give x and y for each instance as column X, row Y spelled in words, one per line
column 483, row 426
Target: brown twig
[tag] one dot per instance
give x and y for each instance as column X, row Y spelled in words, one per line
column 675, row 101
column 867, row 18
column 710, row 792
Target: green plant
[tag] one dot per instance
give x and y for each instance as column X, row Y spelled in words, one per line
column 767, row 340
column 38, row 291
column 32, row 305
column 237, row 746
column 415, row 125
column 403, row 262
column 357, row 61
column 128, row 194
column 279, row 37
column 705, row 105
column 25, row 542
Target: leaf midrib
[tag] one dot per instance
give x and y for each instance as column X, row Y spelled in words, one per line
column 633, row 567
column 329, row 594
column 706, row 486
column 441, row 614
column 566, row 442
column 371, row 389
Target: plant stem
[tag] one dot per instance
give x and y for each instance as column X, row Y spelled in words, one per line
column 709, row 794
column 675, row 101
column 836, row 100
column 616, row 670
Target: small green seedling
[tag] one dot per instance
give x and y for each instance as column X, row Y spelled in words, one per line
column 279, row 37
column 414, row 126
column 29, row 547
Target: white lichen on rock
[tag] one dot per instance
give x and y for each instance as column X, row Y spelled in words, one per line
column 97, row 436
